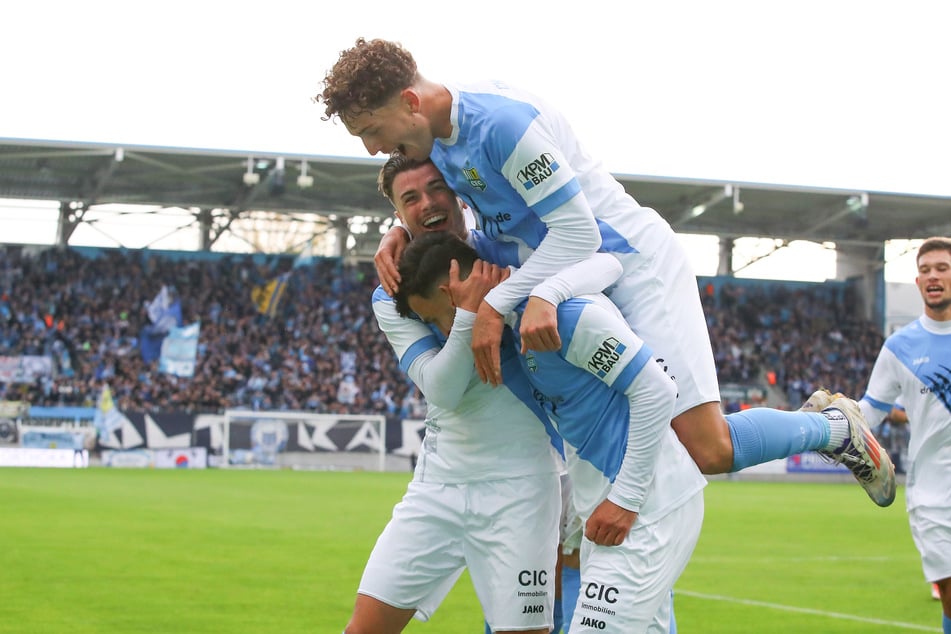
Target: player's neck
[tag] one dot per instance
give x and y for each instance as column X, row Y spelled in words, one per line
column 943, row 314
column 437, row 108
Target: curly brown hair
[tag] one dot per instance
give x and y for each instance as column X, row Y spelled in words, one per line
column 365, row 77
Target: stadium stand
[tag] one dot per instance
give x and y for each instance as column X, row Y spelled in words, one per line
column 322, row 351
column 88, row 310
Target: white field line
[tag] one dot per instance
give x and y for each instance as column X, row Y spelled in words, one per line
column 823, row 613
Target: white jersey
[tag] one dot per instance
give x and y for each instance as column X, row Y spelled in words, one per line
column 635, row 459
column 518, row 164
column 473, row 431
column 915, row 365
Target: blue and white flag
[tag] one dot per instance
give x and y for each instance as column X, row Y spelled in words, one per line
column 180, row 351
column 165, row 312
column 306, row 257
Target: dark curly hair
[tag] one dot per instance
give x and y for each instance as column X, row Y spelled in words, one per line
column 365, row 77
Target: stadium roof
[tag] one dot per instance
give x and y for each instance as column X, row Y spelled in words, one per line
column 100, row 173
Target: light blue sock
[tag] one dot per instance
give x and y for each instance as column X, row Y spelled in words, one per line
column 946, row 623
column 570, row 589
column 761, row 434
column 673, row 620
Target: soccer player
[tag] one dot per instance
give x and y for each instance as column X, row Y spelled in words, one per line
column 516, row 162
column 634, row 485
column 485, row 491
column 915, row 366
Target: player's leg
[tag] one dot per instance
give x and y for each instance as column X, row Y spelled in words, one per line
column 558, row 614
column 931, row 532
column 570, row 588
column 944, row 594
column 627, row 588
column 661, row 303
column 372, row 616
column 511, row 547
column 415, row 561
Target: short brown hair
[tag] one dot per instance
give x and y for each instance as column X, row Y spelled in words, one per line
column 935, row 243
column 396, row 164
column 365, row 77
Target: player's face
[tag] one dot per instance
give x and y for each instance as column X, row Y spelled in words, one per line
column 397, row 125
column 934, row 283
column 424, row 202
column 436, row 310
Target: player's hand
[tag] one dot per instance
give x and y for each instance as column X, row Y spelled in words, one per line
column 609, row 524
column 387, row 258
column 539, row 328
column 468, row 293
column 486, row 339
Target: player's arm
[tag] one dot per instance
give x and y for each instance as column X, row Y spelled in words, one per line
column 883, row 388
column 539, row 325
column 387, row 257
column 572, row 234
column 442, row 374
column 626, row 365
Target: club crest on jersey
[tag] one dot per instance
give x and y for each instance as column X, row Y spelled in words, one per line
column 538, row 170
column 472, row 175
column 604, row 358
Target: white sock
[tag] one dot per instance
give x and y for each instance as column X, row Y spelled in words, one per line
column 839, row 431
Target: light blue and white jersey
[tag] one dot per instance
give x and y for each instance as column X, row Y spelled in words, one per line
column 915, row 365
column 582, row 387
column 517, row 163
column 473, row 431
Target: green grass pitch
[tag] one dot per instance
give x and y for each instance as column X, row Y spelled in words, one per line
column 129, row 551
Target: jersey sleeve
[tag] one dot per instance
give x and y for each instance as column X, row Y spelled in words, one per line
column 601, row 343
column 883, row 388
column 591, row 275
column 538, row 170
column 442, row 373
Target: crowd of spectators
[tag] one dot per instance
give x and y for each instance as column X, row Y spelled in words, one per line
column 797, row 339
column 322, row 351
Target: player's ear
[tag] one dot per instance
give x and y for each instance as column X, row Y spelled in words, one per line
column 411, row 98
column 445, row 292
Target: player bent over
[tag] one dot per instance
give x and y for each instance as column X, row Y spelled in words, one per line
column 634, row 483
column 485, row 490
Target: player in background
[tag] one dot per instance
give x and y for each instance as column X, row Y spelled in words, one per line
column 637, row 490
column 516, row 162
column 485, row 491
column 914, row 365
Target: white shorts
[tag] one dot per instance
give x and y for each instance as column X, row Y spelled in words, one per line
column 626, row 589
column 931, row 530
column 660, row 300
column 505, row 531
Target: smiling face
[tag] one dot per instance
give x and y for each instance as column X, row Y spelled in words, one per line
column 396, row 126
column 934, row 283
column 424, row 202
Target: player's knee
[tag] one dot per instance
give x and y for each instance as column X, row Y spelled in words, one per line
column 707, row 440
